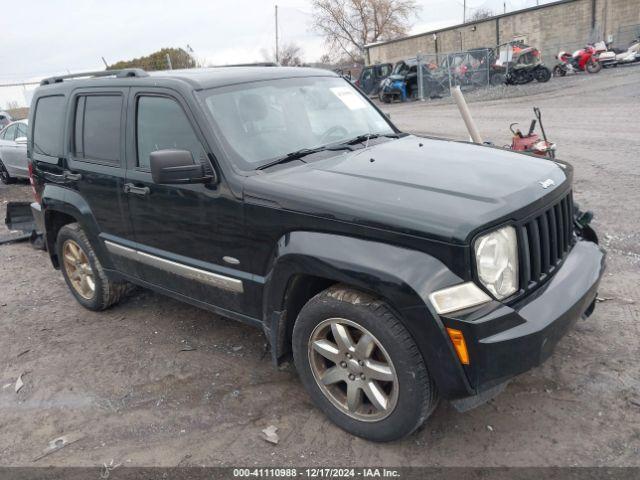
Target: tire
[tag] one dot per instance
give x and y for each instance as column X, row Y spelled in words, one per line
column 542, row 74
column 497, row 79
column 593, row 66
column 384, row 98
column 558, row 71
column 88, row 268
column 411, row 395
column 4, row 175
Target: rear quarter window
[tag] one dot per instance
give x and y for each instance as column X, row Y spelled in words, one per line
column 48, row 127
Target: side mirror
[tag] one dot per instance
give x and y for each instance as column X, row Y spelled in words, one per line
column 21, row 140
column 176, row 166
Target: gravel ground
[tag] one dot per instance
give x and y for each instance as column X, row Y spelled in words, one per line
column 155, row 382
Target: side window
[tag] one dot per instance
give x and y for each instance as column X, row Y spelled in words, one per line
column 98, row 128
column 22, row 130
column 10, row 132
column 48, row 126
column 161, row 124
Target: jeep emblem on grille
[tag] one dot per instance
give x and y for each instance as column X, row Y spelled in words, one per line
column 547, row 183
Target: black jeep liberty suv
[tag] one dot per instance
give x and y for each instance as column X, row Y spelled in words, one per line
column 395, row 269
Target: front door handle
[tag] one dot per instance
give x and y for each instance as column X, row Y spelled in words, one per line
column 131, row 188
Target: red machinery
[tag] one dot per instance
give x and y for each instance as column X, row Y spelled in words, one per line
column 531, row 142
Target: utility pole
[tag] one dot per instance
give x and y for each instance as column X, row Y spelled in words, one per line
column 505, row 7
column 277, row 48
column 464, row 11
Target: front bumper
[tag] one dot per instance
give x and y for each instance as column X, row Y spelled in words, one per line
column 504, row 341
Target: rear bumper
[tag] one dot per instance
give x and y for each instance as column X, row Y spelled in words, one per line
column 38, row 217
column 504, row 341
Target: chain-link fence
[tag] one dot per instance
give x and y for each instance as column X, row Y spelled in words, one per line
column 438, row 73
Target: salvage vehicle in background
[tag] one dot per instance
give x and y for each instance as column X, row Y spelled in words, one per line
column 402, row 84
column 13, row 151
column 522, row 64
column 396, row 269
column 583, row 60
column 609, row 56
column 371, row 77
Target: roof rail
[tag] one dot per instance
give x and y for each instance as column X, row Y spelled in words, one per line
column 122, row 73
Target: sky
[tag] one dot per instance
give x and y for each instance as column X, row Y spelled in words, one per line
column 48, row 37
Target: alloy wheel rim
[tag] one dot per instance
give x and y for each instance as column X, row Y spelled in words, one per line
column 353, row 370
column 78, row 269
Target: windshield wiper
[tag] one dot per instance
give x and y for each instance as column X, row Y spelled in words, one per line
column 368, row 136
column 346, row 145
column 303, row 152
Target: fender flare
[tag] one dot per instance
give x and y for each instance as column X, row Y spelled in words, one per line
column 402, row 277
column 56, row 198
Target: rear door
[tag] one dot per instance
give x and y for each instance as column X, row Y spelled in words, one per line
column 8, row 148
column 191, row 235
column 20, row 160
column 97, row 160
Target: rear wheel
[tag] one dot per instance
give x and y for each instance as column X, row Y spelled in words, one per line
column 558, row 71
column 593, row 66
column 361, row 366
column 4, row 174
column 83, row 272
column 543, row 74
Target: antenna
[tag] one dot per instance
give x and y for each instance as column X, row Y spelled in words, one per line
column 277, row 52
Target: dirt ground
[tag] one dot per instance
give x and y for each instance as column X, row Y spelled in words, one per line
column 154, row 382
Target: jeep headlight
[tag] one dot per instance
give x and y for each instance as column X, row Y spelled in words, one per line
column 497, row 262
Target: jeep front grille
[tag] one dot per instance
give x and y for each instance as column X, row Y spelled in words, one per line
column 544, row 242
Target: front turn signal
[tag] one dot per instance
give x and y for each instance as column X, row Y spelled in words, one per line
column 459, row 344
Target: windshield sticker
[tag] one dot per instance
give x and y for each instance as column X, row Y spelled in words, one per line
column 350, row 98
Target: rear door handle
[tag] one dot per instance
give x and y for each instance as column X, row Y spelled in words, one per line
column 131, row 188
column 74, row 177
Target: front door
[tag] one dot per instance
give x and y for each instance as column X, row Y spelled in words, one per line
column 190, row 236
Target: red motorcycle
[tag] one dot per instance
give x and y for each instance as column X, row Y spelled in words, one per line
column 584, row 60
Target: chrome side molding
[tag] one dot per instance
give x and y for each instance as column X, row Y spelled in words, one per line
column 203, row 276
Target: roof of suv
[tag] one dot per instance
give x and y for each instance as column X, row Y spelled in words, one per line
column 200, row 78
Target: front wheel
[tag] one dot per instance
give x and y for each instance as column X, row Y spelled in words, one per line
column 593, row 66
column 497, row 79
column 558, row 71
column 361, row 366
column 384, row 98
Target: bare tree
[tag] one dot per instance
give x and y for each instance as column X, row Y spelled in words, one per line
column 349, row 25
column 289, row 55
column 480, row 14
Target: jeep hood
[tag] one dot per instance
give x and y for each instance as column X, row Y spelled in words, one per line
column 435, row 188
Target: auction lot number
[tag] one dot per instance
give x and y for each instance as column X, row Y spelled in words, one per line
column 315, row 473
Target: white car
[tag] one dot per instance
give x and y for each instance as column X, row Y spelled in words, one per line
column 13, row 151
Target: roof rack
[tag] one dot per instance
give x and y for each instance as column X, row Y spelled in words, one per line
column 122, row 73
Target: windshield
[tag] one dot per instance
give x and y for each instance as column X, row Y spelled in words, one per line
column 263, row 121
